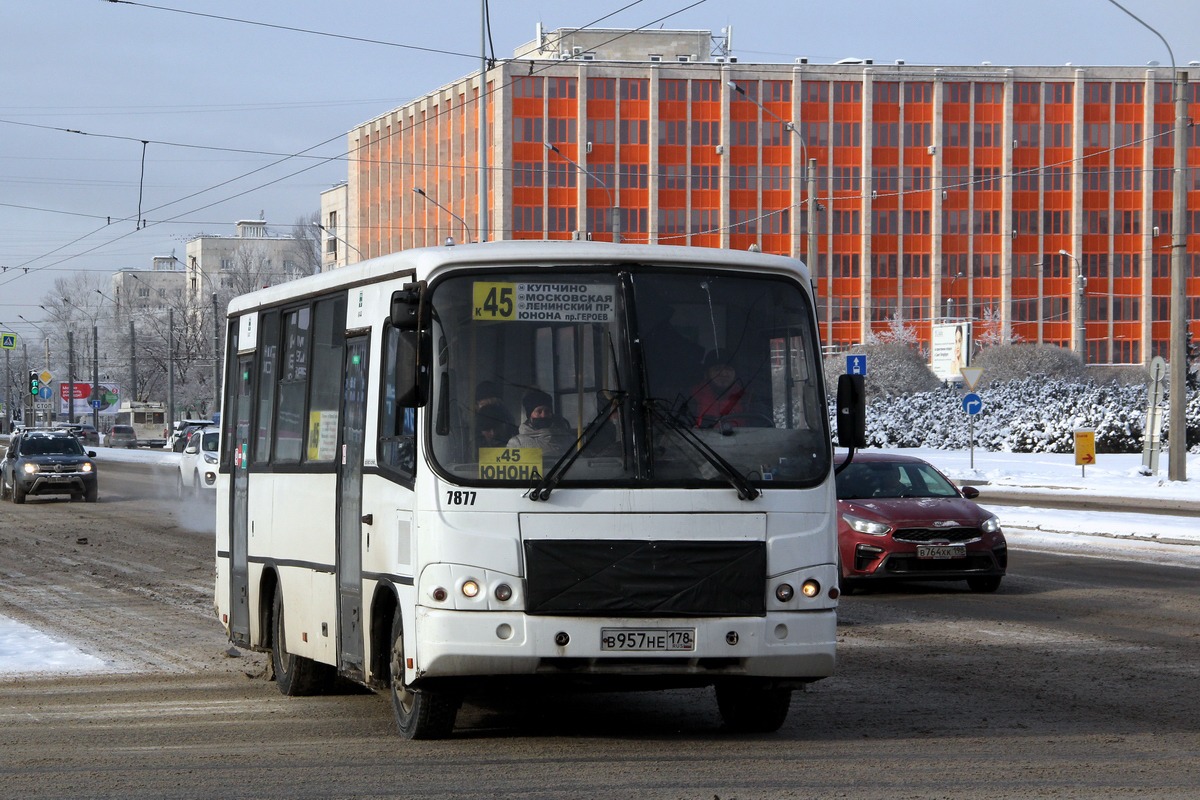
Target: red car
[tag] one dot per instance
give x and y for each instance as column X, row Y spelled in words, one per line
column 899, row 518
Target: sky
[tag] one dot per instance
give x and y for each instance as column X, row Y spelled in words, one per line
column 244, row 121
column 1144, row 537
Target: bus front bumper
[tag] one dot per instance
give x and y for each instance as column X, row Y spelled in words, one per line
column 789, row 646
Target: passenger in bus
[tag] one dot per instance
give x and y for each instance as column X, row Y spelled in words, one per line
column 720, row 394
column 494, row 425
column 493, row 428
column 542, row 428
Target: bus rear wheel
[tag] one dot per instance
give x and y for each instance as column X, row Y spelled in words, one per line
column 751, row 706
column 419, row 715
column 295, row 675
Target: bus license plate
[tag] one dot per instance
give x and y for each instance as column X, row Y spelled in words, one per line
column 941, row 551
column 648, row 639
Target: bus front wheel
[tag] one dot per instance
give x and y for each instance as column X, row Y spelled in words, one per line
column 295, row 675
column 750, row 706
column 419, row 714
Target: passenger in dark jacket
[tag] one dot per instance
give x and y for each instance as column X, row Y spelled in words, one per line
column 541, row 427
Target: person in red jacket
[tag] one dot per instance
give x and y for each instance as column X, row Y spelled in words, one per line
column 720, row 394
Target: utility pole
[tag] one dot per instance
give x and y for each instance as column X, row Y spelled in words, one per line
column 70, row 376
column 483, row 122
column 132, row 367
column 95, row 399
column 216, row 369
column 1177, row 455
column 170, row 370
column 812, row 217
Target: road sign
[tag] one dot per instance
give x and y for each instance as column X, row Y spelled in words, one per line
column 41, row 405
column 8, row 341
column 971, row 376
column 972, row 403
column 97, row 403
column 856, row 364
column 1085, row 448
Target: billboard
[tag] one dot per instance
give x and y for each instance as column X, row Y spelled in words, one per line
column 950, row 349
column 107, row 398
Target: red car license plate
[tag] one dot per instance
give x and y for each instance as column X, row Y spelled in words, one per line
column 941, row 551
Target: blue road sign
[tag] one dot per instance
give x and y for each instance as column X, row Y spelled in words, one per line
column 856, row 364
column 97, row 403
column 972, row 403
column 8, row 341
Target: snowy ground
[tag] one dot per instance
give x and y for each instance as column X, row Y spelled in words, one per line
column 1149, row 537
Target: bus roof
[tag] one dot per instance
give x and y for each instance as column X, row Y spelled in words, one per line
column 423, row 262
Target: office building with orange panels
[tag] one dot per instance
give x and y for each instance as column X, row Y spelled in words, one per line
column 1033, row 202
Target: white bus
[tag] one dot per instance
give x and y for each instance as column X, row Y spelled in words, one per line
column 654, row 506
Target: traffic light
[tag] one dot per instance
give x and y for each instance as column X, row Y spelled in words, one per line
column 35, row 383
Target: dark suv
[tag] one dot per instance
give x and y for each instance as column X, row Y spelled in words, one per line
column 47, row 462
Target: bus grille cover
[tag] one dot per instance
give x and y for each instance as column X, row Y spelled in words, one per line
column 584, row 577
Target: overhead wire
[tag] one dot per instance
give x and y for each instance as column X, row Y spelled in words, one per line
column 285, row 158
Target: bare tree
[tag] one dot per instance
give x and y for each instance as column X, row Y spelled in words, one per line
column 308, row 242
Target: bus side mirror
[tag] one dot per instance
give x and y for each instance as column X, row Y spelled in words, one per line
column 412, row 369
column 413, row 352
column 406, row 307
column 851, row 411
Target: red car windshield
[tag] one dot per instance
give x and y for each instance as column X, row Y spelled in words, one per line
column 868, row 479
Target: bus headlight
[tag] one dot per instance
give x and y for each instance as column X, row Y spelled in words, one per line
column 810, row 588
column 470, row 588
column 784, row 592
column 503, row 592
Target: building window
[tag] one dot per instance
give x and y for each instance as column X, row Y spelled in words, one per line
column 918, row 93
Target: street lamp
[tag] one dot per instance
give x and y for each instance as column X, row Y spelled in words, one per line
column 808, row 174
column 616, row 211
column 463, row 222
column 333, row 235
column 1079, row 281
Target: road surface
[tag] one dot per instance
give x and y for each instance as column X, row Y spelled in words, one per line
column 1076, row 680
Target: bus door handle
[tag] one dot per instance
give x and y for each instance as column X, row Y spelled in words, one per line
column 368, row 519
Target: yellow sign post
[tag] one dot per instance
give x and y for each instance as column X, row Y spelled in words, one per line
column 1085, row 450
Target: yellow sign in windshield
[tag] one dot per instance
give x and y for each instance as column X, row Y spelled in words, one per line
column 543, row 302
column 510, row 463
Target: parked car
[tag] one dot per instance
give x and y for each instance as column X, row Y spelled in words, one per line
column 122, row 436
column 84, row 432
column 899, row 518
column 198, row 462
column 177, row 437
column 41, row 462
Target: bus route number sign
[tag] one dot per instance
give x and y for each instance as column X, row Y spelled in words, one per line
column 543, row 302
column 510, row 463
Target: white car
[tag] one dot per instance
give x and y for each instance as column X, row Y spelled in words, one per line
column 198, row 462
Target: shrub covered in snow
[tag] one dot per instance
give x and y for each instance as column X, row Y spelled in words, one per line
column 1021, row 413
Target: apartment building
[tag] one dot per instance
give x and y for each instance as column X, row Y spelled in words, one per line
column 1030, row 203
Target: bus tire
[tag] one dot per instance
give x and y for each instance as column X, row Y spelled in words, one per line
column 419, row 715
column 751, row 706
column 295, row 675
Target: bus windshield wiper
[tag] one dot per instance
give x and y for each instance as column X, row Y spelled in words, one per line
column 541, row 490
column 745, row 490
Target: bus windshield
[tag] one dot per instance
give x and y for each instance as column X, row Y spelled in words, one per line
column 628, row 377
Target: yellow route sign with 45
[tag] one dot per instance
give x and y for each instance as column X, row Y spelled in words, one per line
column 530, row 301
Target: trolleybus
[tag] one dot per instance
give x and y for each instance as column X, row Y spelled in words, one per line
column 520, row 465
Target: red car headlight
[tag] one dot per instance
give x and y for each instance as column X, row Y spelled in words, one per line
column 867, row 526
